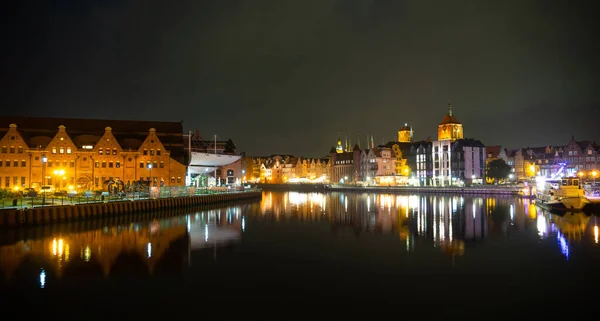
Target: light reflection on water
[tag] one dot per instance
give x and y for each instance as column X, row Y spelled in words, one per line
column 451, row 224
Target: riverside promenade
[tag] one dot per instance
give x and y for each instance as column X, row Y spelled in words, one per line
column 53, row 210
column 481, row 190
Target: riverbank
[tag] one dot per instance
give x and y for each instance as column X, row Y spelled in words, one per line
column 485, row 190
column 65, row 213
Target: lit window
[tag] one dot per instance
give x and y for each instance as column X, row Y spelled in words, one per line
column 114, row 151
column 4, row 149
column 20, row 149
column 97, row 164
column 68, row 150
column 53, row 150
column 118, row 164
column 100, row 151
column 61, row 150
column 152, row 152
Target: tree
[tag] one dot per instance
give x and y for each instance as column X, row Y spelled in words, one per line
column 498, row 170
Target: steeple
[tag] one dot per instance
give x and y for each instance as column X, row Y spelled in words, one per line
column 449, row 108
column 372, row 142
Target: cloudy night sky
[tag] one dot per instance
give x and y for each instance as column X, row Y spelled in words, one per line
column 286, row 76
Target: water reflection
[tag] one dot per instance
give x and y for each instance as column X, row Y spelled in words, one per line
column 445, row 222
column 135, row 249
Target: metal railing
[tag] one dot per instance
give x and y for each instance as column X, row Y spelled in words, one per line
column 102, row 197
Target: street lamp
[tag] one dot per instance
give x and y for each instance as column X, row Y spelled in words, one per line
column 580, row 174
column 44, row 161
column 150, row 168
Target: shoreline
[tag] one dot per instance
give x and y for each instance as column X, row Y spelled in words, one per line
column 67, row 213
column 483, row 190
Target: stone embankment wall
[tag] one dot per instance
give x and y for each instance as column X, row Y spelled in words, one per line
column 65, row 213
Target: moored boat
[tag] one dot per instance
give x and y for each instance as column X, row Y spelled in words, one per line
column 562, row 194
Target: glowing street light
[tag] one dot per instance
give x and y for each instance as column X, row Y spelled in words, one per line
column 594, row 174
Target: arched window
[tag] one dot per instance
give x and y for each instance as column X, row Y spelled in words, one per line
column 23, row 163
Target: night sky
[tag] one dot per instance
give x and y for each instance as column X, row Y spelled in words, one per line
column 286, row 76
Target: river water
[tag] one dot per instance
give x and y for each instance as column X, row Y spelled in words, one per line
column 320, row 254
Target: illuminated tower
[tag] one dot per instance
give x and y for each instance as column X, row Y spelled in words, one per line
column 339, row 148
column 450, row 128
column 405, row 134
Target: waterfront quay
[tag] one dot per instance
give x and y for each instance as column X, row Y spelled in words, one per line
column 481, row 190
column 72, row 209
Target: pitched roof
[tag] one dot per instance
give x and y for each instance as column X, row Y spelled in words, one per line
column 129, row 133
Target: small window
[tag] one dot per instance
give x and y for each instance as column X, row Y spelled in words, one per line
column 15, row 181
column 152, row 152
column 7, row 163
column 23, row 163
column 100, row 151
column 4, row 149
column 118, row 164
column 15, row 163
column 68, row 150
column 64, row 163
column 96, row 179
column 23, row 181
column 154, row 165
column 141, row 164
column 172, row 180
column 72, row 163
column 114, row 151
column 162, row 164
column 12, row 149
column 178, row 179
column 110, row 164
column 53, row 150
column 145, row 152
column 97, row 164
column 158, row 152
column 61, row 150
column 20, row 150
column 103, row 165
column 49, row 165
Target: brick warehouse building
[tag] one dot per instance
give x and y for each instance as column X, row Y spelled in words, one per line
column 86, row 153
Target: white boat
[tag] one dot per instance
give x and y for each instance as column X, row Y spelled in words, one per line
column 562, row 194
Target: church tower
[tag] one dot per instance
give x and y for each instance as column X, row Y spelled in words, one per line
column 450, row 128
column 405, row 134
column 339, row 148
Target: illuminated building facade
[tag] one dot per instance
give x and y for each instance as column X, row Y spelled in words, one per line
column 456, row 161
column 345, row 167
column 85, row 154
column 278, row 169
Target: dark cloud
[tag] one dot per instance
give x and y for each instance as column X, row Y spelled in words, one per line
column 286, row 76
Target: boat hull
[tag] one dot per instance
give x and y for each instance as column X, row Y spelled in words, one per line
column 565, row 204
